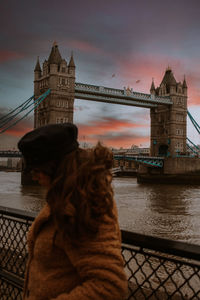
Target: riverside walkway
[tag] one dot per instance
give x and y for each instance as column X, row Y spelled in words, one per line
column 156, row 268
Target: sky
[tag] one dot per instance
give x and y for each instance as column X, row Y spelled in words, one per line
column 115, row 43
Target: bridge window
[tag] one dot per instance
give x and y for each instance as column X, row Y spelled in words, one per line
column 179, row 131
column 179, row 147
column 62, row 103
column 62, row 120
column 179, row 117
column 179, row 101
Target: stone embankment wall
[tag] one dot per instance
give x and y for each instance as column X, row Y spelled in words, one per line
column 178, row 170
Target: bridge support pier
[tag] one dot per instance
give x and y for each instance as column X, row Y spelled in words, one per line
column 178, row 170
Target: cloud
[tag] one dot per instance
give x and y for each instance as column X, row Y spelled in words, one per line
column 9, row 55
column 84, row 46
column 112, row 132
column 17, row 130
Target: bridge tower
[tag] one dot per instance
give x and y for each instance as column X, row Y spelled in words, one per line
column 168, row 123
column 58, row 76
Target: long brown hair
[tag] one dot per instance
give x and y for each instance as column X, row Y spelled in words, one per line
column 81, row 192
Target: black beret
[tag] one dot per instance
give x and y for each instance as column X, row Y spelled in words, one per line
column 47, row 143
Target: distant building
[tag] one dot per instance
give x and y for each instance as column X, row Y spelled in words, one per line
column 133, row 151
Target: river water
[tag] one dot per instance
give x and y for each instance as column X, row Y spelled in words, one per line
column 168, row 211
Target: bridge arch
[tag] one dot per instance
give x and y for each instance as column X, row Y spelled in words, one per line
column 163, row 150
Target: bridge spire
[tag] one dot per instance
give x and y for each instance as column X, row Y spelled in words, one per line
column 55, row 57
column 184, row 83
column 168, row 78
column 37, row 66
column 37, row 71
column 153, row 89
column 71, row 63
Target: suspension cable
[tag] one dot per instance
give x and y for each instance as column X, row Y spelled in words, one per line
column 196, row 125
column 193, row 144
column 24, row 103
column 36, row 103
column 8, row 118
column 192, row 149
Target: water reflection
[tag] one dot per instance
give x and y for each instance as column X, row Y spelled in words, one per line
column 167, row 211
column 168, row 199
column 32, row 197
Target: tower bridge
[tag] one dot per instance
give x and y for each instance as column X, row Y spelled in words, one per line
column 55, row 90
column 167, row 102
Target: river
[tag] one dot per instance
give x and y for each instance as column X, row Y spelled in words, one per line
column 169, row 211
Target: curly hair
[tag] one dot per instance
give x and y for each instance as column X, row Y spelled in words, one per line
column 81, row 192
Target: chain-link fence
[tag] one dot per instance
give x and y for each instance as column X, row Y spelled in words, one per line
column 161, row 269
column 14, row 225
column 156, row 268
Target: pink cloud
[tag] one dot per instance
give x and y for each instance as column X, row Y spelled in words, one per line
column 112, row 132
column 9, row 55
column 144, row 68
column 84, row 46
column 19, row 129
column 109, row 124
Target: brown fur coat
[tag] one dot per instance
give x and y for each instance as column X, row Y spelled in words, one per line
column 57, row 270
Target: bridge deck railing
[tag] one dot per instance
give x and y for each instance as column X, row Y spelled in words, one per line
column 156, row 268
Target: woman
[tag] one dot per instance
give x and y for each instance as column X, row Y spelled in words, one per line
column 74, row 243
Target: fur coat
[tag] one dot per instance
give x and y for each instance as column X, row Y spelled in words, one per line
column 57, row 270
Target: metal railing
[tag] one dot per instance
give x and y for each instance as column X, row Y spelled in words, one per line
column 156, row 268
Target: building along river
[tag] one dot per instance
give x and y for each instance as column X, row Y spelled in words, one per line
column 168, row 211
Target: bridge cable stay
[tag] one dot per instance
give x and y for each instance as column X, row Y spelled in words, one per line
column 35, row 105
column 7, row 118
column 27, row 105
column 196, row 125
column 192, row 149
column 198, row 148
column 24, row 103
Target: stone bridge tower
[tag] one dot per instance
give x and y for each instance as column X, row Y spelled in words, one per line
column 168, row 123
column 60, row 78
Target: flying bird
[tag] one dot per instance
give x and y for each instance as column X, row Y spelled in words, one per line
column 113, row 75
column 137, row 81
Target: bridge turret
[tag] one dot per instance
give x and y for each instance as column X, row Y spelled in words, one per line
column 72, row 66
column 169, row 81
column 184, row 86
column 54, row 59
column 37, row 76
column 152, row 89
column 37, row 70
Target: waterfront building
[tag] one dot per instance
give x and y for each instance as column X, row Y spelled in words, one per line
column 133, row 151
